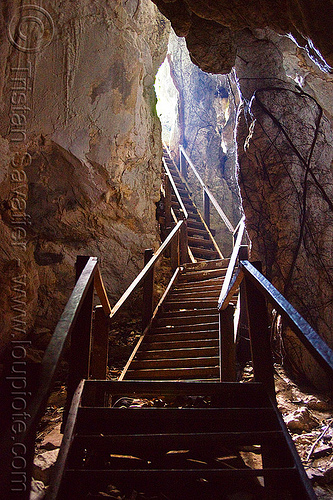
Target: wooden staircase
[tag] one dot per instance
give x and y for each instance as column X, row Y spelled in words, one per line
column 182, row 342
column 172, row 427
column 200, row 239
column 177, row 441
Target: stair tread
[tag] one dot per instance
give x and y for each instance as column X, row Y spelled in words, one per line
column 172, row 353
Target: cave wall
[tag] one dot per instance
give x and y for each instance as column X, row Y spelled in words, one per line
column 284, row 137
column 80, row 151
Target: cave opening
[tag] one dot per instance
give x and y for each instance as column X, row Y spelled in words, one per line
column 197, row 110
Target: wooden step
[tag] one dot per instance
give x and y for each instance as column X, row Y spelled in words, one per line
column 171, row 420
column 201, row 275
column 181, row 344
column 197, row 232
column 186, row 304
column 211, row 291
column 200, row 242
column 176, row 336
column 174, row 373
column 178, row 353
column 186, row 320
column 198, row 288
column 206, row 325
column 145, row 364
column 197, row 252
column 206, row 265
column 194, row 223
column 189, row 312
column 184, row 285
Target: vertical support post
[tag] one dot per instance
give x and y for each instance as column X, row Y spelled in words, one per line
column 175, row 252
column 148, row 291
column 100, row 345
column 183, row 243
column 167, row 203
column 182, row 164
column 206, row 207
column 227, row 345
column 80, row 349
column 259, row 335
column 243, row 341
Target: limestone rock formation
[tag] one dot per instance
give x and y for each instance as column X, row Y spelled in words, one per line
column 80, row 150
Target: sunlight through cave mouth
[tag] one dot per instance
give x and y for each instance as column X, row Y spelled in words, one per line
column 198, row 111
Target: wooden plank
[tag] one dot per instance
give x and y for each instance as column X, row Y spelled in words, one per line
column 206, row 207
column 190, row 304
column 196, row 294
column 205, row 326
column 183, row 244
column 148, row 290
column 167, row 202
column 212, row 441
column 224, row 394
column 168, row 363
column 173, row 373
column 60, row 465
column 227, row 345
column 186, row 320
column 176, row 353
column 189, row 312
column 81, row 338
column 152, row 346
column 167, row 337
column 128, row 421
column 214, row 282
column 201, row 275
column 259, row 334
column 100, row 344
column 200, row 242
column 204, row 252
column 101, row 292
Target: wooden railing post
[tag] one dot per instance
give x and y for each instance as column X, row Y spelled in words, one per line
column 167, row 203
column 183, row 243
column 227, row 345
column 259, row 334
column 206, row 207
column 182, row 164
column 148, row 291
column 100, row 344
column 80, row 350
column 175, row 252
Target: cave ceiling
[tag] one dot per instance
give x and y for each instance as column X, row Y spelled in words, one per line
column 211, row 26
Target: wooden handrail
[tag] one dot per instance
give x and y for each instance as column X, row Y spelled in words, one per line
column 51, row 360
column 145, row 270
column 207, row 191
column 56, row 346
column 316, row 346
column 222, row 302
column 174, row 187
